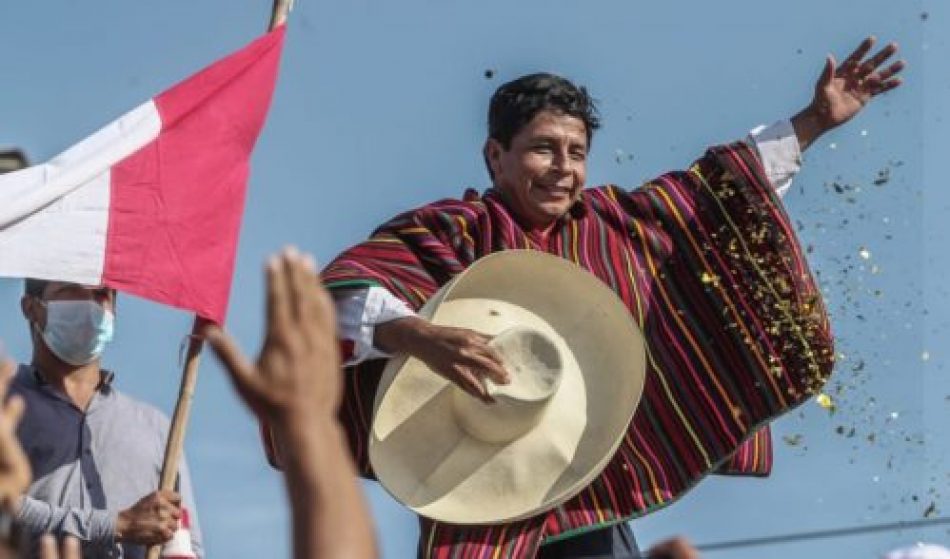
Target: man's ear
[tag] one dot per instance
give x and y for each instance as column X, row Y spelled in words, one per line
column 25, row 304
column 492, row 152
column 32, row 311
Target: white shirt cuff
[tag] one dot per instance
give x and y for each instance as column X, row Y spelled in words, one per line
column 779, row 152
column 358, row 312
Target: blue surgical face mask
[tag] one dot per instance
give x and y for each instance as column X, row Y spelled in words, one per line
column 77, row 331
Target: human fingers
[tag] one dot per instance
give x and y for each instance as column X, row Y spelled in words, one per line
column 325, row 309
column 241, row 372
column 854, row 59
column 171, row 497
column 879, row 58
column 298, row 287
column 71, row 548
column 483, row 342
column 278, row 304
column 7, row 369
column 470, row 383
column 48, row 547
column 486, row 364
column 827, row 72
column 320, row 298
column 891, row 71
column 12, row 412
column 307, row 269
column 886, row 86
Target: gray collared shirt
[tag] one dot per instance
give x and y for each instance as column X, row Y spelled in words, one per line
column 88, row 466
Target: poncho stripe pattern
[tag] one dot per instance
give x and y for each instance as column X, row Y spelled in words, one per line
column 709, row 267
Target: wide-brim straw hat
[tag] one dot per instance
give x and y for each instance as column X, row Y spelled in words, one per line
column 577, row 362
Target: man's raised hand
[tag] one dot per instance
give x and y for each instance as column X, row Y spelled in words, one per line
column 842, row 91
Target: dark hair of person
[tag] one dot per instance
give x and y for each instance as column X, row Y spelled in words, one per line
column 516, row 103
column 35, row 287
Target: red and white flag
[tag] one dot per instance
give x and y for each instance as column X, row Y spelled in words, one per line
column 151, row 204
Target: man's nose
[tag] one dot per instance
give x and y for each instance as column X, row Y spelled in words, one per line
column 562, row 160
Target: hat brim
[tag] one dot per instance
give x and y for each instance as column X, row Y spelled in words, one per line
column 427, row 462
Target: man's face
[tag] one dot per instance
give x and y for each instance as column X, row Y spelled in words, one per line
column 62, row 291
column 541, row 175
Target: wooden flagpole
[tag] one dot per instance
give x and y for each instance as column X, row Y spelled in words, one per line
column 176, row 434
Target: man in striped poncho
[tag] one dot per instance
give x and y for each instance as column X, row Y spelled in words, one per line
column 705, row 259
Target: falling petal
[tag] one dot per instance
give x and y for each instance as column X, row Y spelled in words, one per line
column 793, row 440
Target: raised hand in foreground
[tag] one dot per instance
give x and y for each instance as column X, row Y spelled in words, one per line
column 295, row 386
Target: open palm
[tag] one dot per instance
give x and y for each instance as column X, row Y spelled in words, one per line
column 842, row 91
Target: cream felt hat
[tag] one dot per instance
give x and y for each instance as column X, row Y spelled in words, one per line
column 577, row 363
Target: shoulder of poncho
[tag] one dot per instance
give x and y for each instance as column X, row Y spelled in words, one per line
column 434, row 214
column 605, row 193
column 446, row 206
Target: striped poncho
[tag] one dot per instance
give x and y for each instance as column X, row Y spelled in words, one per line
column 710, row 268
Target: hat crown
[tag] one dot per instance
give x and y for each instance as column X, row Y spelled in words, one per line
column 535, row 368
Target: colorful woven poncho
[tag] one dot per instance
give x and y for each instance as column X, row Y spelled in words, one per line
column 710, row 268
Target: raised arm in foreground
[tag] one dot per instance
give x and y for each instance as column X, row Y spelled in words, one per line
column 295, row 386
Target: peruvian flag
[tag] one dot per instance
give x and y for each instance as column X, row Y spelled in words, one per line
column 151, row 204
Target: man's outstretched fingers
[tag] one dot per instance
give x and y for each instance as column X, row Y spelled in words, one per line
column 891, row 71
column 882, row 55
column 854, row 59
column 827, row 71
column 887, row 86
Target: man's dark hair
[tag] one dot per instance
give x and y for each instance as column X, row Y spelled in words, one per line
column 35, row 287
column 515, row 103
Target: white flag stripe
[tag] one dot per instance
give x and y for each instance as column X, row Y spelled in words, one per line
column 23, row 193
column 67, row 241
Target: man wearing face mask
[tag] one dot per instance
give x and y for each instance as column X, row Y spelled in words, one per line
column 96, row 454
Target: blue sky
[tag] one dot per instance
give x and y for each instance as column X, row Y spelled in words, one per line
column 380, row 106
